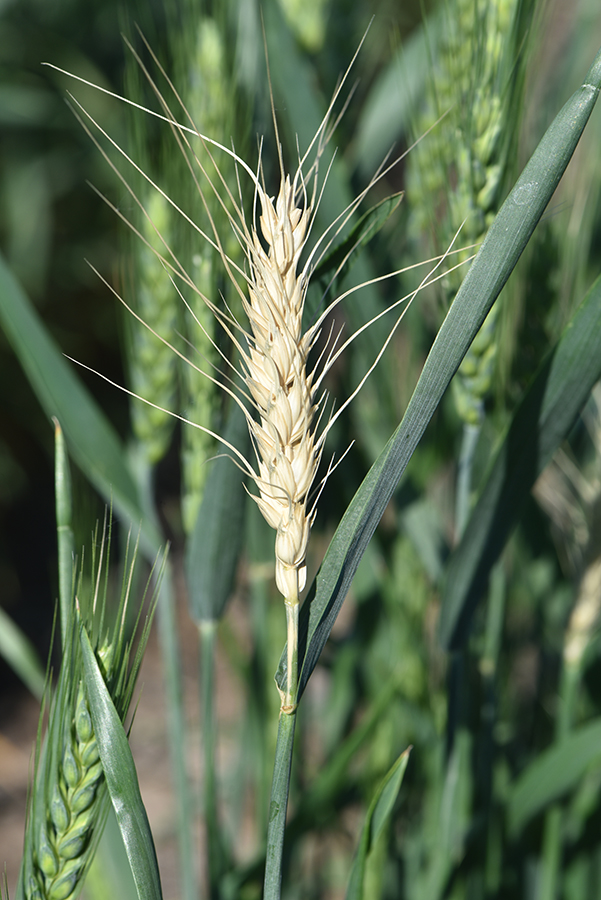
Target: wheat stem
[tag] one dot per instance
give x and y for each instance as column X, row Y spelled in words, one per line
column 292, row 606
column 278, row 805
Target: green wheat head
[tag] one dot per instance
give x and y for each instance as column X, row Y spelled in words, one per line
column 210, row 99
column 69, row 798
column 457, row 175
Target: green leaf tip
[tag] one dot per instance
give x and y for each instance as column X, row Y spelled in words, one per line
column 593, row 78
column 378, row 817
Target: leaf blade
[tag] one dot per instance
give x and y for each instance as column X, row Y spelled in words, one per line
column 366, row 228
column 543, row 419
column 214, row 548
column 18, row 651
column 378, row 815
column 553, row 773
column 500, row 251
column 91, row 439
column 121, row 779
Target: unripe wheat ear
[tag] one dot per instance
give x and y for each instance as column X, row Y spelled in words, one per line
column 280, row 393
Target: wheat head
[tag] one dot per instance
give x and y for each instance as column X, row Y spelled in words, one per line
column 276, row 375
column 69, row 798
column 282, row 398
column 63, row 833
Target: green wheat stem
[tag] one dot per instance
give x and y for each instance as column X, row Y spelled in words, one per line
column 292, row 607
column 170, row 655
column 278, row 805
column 551, row 857
column 493, row 636
column 280, row 788
column 64, row 531
column 581, row 626
column 259, row 700
column 207, row 633
column 469, row 442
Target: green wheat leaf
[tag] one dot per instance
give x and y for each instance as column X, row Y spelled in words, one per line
column 214, row 547
column 498, row 255
column 378, row 815
column 553, row 773
column 341, row 257
column 20, row 654
column 543, row 419
column 121, row 778
column 90, row 437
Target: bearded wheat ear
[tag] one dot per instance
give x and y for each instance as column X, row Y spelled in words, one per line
column 285, row 430
column 69, row 798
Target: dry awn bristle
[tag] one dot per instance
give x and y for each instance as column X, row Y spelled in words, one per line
column 276, row 374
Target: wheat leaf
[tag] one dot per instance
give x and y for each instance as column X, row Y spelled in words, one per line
column 121, row 778
column 498, row 255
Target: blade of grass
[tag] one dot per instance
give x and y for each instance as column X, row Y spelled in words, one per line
column 20, row 654
column 553, row 773
column 92, row 441
column 214, row 547
column 121, row 778
column 64, row 532
column 543, row 419
column 378, row 815
column 498, row 255
column 112, row 864
column 365, row 229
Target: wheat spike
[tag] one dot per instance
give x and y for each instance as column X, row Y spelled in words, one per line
column 62, row 843
column 276, row 375
column 280, row 396
column 69, row 798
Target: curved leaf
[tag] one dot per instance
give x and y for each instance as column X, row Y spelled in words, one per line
column 91, row 439
column 20, row 654
column 121, row 779
column 340, row 258
column 543, row 419
column 553, row 773
column 378, row 815
column 500, row 251
column 214, row 547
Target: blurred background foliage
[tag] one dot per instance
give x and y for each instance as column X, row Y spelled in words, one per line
column 528, row 674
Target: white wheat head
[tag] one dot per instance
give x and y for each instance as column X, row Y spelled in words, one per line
column 275, row 365
column 282, row 397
